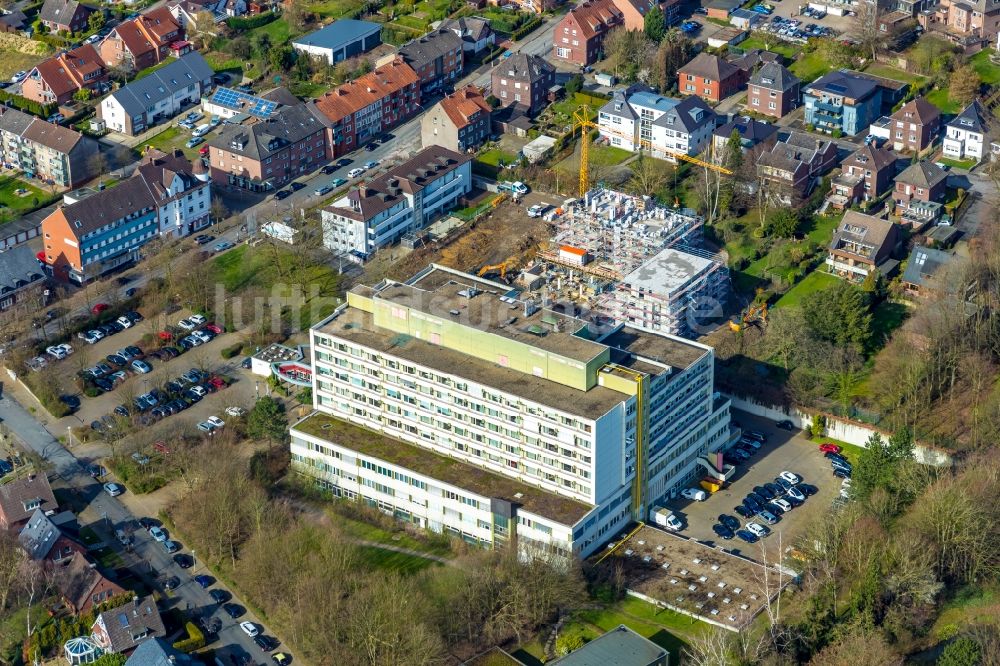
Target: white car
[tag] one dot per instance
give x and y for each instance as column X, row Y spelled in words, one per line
column 187, row 324
column 536, row 211
column 694, row 494
column 758, row 530
column 215, row 421
column 158, row 534
column 249, row 628
column 125, row 321
column 197, row 319
column 519, row 188
column 235, row 411
column 205, row 426
column 782, row 504
column 199, row 391
column 752, row 443
column 797, row 494
column 790, row 477
column 202, row 335
column 94, row 336
column 354, row 173
column 56, row 351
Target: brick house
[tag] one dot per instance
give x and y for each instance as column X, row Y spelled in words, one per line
column 43, row 540
column 65, row 15
column 793, row 166
column 361, row 110
column 82, row 586
column 923, row 181
column 267, row 154
column 523, row 80
column 458, row 122
column 710, row 77
column 122, row 629
column 915, row 126
column 772, row 90
column 578, row 38
column 865, row 174
column 437, row 58
column 58, row 78
column 143, row 41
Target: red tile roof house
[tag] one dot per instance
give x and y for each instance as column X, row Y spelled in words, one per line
column 711, row 78
column 142, row 42
column 579, row 37
column 459, row 122
column 865, row 174
column 60, row 77
column 922, row 181
column 915, row 126
column 82, row 586
column 20, row 498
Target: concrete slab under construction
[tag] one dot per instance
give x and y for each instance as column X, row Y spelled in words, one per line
column 668, row 271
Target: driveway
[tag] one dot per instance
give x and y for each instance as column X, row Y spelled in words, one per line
column 149, row 560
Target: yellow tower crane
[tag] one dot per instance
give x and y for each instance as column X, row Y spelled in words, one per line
column 581, row 120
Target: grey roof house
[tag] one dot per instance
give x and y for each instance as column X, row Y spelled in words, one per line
column 922, row 267
column 19, row 269
column 620, row 646
column 124, row 628
column 475, row 32
column 141, row 104
column 159, row 652
column 752, row 133
column 64, row 15
column 340, row 40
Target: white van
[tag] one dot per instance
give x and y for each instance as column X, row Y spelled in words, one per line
column 354, row 173
column 202, row 130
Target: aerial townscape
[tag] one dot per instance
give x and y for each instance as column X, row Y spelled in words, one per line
column 499, row 332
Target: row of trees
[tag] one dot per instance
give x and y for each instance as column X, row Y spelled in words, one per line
column 330, row 600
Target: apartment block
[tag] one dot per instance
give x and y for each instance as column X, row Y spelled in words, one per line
column 45, row 151
column 166, row 196
column 361, row 110
column 524, row 81
column 402, row 200
column 437, row 57
column 772, row 90
column 636, row 119
column 459, row 122
column 915, row 126
column 451, row 403
column 842, row 101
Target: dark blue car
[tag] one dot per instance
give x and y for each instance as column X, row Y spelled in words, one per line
column 749, row 537
column 723, row 531
column 203, row 580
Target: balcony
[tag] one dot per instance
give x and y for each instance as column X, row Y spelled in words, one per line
column 833, row 109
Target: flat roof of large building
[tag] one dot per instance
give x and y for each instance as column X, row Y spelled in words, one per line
column 667, row 271
column 620, row 646
column 359, row 327
column 675, row 352
column 339, row 33
column 564, row 510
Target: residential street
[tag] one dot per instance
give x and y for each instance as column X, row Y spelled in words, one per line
column 149, row 559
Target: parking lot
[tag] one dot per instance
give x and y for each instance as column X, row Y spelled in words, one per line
column 790, row 451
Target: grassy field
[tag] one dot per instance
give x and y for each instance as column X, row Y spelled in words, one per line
column 19, row 53
column 769, row 43
column 379, row 558
column 18, row 197
column 810, row 66
column 988, row 71
column 957, row 164
column 940, row 99
column 822, row 227
column 171, row 138
column 815, row 281
column 608, row 155
column 972, row 605
column 279, row 31
column 494, row 156
column 885, row 71
column 367, row 532
column 664, row 627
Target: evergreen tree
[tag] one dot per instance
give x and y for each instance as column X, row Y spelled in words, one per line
column 655, row 24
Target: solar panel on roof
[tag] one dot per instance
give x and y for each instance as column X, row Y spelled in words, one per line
column 234, row 99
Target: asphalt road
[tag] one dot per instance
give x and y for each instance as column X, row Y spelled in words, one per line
column 149, row 557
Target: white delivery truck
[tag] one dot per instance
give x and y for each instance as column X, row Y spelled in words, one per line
column 665, row 518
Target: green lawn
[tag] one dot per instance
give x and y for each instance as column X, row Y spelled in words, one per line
column 957, row 164
column 940, row 99
column 988, row 71
column 332, row 8
column 494, row 156
column 608, row 155
column 108, row 558
column 368, row 532
column 888, row 316
column 223, row 62
column 306, row 89
column 972, row 605
column 378, row 558
column 18, row 197
column 815, row 281
column 822, row 227
column 769, row 43
column 885, row 71
column 170, row 139
column 149, row 70
column 279, row 31
column 810, row 66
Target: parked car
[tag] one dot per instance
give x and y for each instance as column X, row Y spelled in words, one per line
column 796, row 493
column 783, row 504
column 808, row 489
column 785, row 425
column 764, row 492
column 747, row 536
column 187, row 324
column 355, row 172
column 203, row 239
column 758, row 529
column 249, row 628
column 171, row 546
column 204, row 580
column 113, row 489
column 282, row 194
column 768, row 517
column 219, row 596
column 233, row 610
column 265, row 643
column 216, row 421
column 235, row 411
column 829, row 447
column 197, row 319
column 183, row 560
column 99, row 308
column 753, row 434
column 723, row 531
column 791, row 477
column 694, row 494
column 141, row 367
column 323, row 189
column 729, row 521
column 158, row 534
column 743, row 511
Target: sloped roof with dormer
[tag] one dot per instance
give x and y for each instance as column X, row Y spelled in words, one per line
column 973, row 118
column 923, row 174
column 774, row 76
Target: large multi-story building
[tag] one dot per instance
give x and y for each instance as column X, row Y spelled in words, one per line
column 915, row 126
column 459, row 122
column 361, row 110
column 710, row 77
column 437, row 57
column 269, row 152
column 842, row 102
column 45, row 151
column 772, row 90
column 404, row 199
column 166, row 196
column 138, row 106
column 452, row 403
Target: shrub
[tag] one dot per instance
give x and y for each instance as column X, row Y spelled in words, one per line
column 27, row 105
column 231, row 351
column 194, row 641
column 241, row 24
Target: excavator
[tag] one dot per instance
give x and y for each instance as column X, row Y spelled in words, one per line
column 500, row 268
column 754, row 315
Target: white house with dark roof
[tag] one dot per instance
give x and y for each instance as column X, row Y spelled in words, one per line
column 476, row 33
column 19, row 270
column 636, row 118
column 134, row 108
column 966, row 134
column 340, row 40
column 405, row 198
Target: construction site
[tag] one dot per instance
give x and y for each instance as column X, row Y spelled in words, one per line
column 631, row 260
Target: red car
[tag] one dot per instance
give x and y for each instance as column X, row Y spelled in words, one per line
column 829, row 447
column 99, row 308
column 165, row 335
column 217, row 382
column 203, row 150
column 214, row 328
column 161, row 447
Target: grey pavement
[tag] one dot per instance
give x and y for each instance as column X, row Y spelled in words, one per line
column 149, row 557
